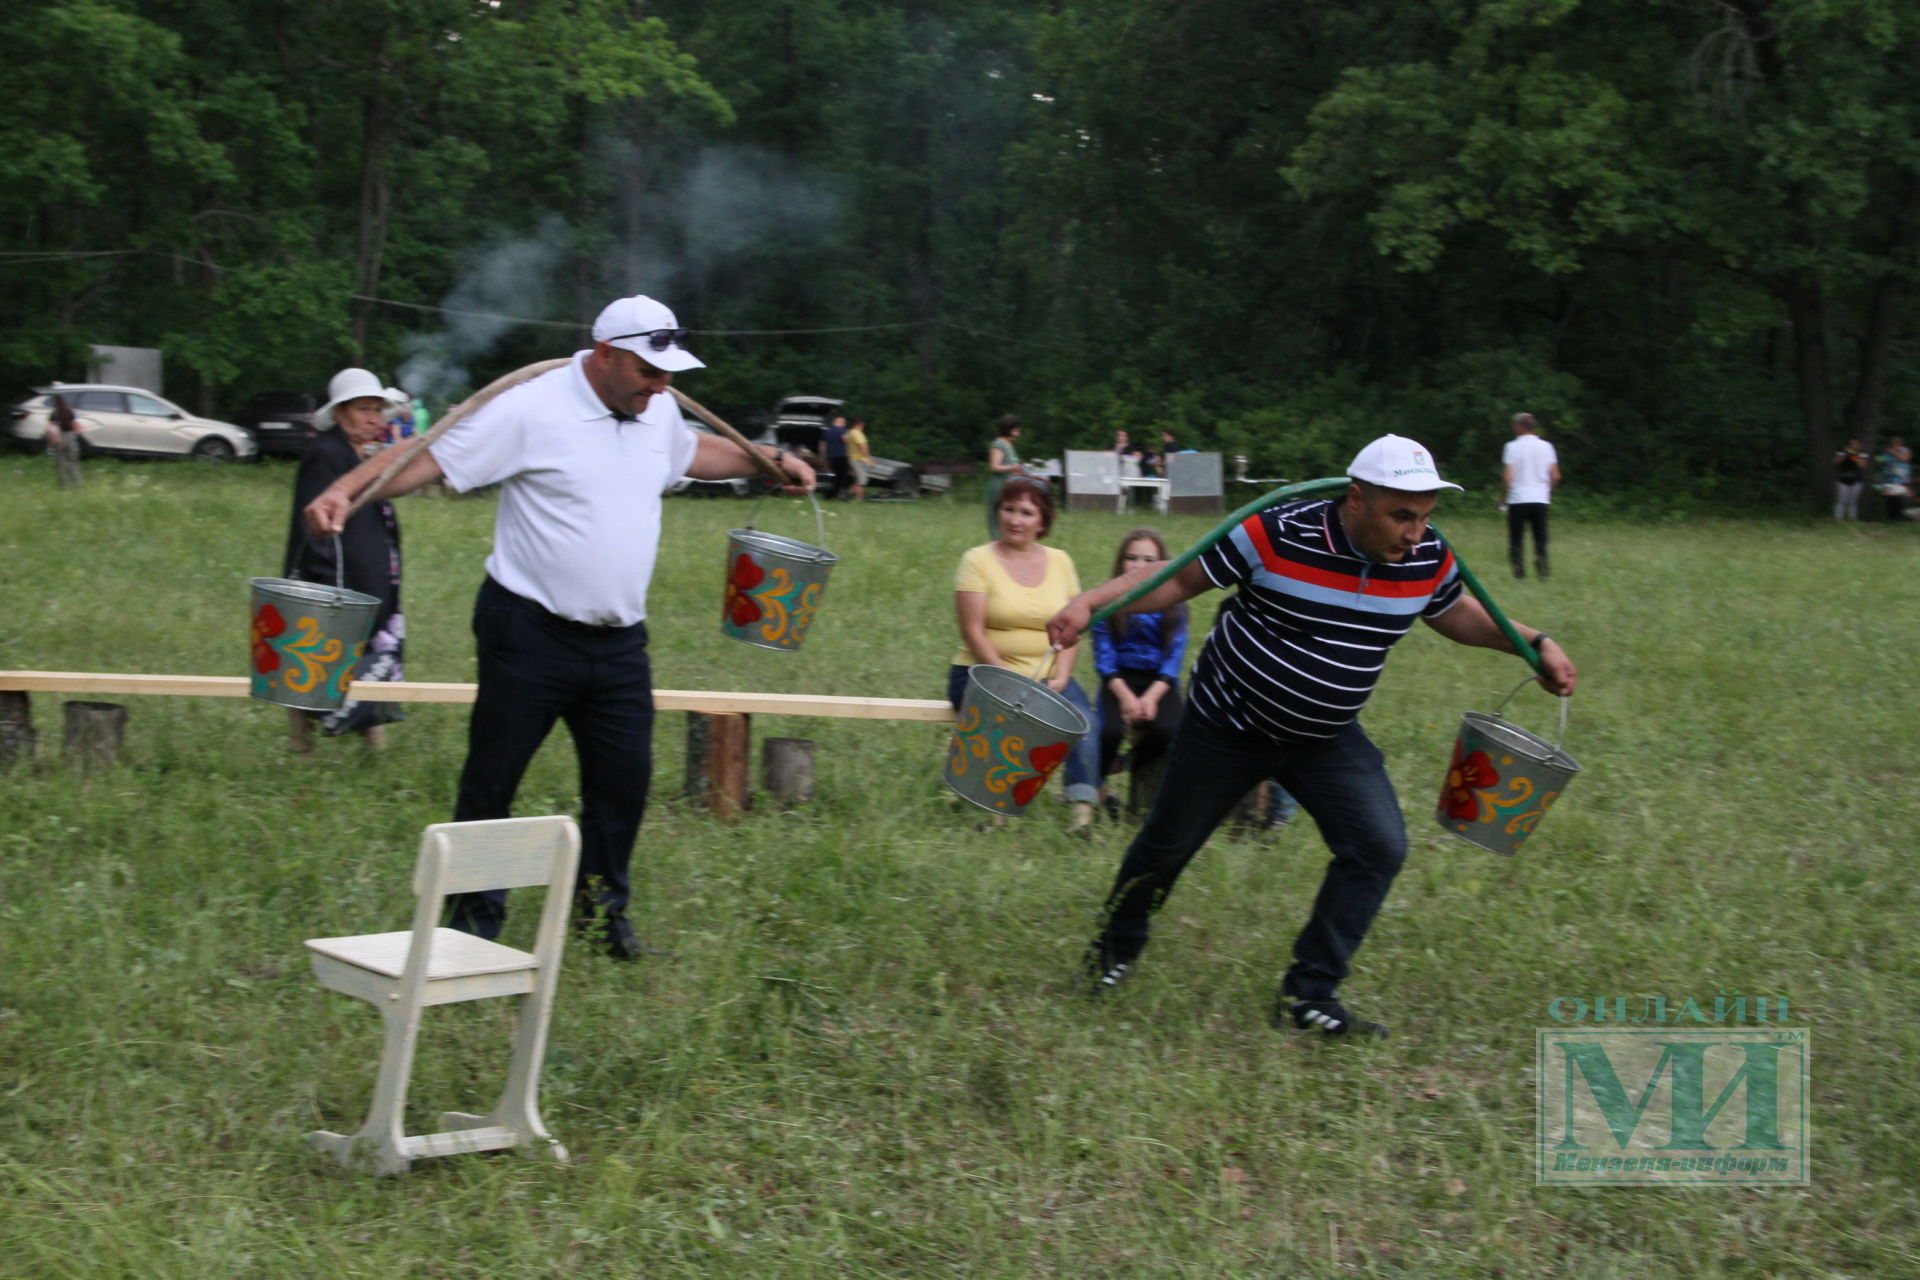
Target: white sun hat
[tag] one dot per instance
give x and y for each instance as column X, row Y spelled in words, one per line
column 1395, row 462
column 350, row 384
column 648, row 329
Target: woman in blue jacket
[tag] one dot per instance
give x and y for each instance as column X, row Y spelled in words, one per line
column 1137, row 658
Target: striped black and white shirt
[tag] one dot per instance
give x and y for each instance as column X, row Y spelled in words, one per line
column 1295, row 652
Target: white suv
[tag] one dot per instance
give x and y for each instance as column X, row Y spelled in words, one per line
column 129, row 422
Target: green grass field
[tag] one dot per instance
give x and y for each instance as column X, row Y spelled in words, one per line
column 870, row 1055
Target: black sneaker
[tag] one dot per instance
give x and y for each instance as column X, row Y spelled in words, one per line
column 1330, row 1018
column 1112, row 806
column 624, row 944
column 1104, row 972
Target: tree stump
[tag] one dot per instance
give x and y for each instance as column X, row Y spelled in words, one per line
column 16, row 729
column 786, row 769
column 717, row 762
column 93, row 732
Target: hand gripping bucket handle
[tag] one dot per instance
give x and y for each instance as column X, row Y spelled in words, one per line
column 774, row 584
column 1502, row 779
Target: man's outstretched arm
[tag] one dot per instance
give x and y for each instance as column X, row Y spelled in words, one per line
column 328, row 512
column 1064, row 628
column 1467, row 622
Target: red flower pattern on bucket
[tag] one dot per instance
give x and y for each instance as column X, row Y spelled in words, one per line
column 740, row 607
column 267, row 623
column 1043, row 761
column 1466, row 773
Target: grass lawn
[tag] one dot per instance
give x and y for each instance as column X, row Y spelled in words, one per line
column 870, row 1055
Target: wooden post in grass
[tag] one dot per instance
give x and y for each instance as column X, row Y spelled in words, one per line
column 717, row 762
column 16, row 730
column 786, row 769
column 93, row 732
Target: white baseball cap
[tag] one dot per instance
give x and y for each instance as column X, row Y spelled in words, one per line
column 648, row 329
column 1395, row 462
column 350, row 384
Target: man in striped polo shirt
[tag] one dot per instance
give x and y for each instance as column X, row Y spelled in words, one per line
column 1326, row 587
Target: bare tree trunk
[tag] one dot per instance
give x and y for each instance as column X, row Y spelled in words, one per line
column 1813, row 369
column 1867, row 409
column 370, row 245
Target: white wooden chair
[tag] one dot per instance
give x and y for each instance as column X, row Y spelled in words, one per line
column 401, row 974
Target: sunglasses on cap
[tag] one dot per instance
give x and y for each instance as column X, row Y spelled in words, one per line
column 658, row 339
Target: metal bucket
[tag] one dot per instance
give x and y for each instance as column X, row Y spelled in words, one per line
column 774, row 585
column 1011, row 735
column 307, row 637
column 1502, row 780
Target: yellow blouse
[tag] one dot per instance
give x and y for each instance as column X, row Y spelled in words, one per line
column 1016, row 615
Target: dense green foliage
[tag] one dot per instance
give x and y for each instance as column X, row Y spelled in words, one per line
column 1681, row 234
column 869, row 1056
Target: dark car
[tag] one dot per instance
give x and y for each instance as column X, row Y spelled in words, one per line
column 281, row 421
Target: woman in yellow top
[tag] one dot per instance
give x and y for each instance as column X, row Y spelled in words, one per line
column 858, row 456
column 1004, row 592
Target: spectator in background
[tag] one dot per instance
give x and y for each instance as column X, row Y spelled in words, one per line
column 1529, row 471
column 1004, row 591
column 1003, row 463
column 401, row 419
column 1893, row 477
column 1137, row 657
column 63, row 442
column 858, row 457
column 833, row 448
column 1849, row 477
column 1168, row 447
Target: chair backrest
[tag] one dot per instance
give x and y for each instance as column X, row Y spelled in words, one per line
column 500, row 853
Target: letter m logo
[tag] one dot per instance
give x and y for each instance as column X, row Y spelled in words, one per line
column 1671, row 1093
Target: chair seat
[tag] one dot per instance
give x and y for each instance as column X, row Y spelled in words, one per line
column 455, row 954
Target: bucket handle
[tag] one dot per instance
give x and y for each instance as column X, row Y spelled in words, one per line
column 819, row 521
column 339, row 558
column 1560, row 736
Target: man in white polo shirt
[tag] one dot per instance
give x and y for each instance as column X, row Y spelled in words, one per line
column 583, row 455
column 1529, row 470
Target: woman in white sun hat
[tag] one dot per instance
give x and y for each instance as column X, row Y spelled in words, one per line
column 354, row 424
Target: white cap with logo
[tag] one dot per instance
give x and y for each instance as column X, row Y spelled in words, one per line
column 1395, row 462
column 648, row 329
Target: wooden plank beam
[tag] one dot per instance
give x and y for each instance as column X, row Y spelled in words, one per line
column 776, row 704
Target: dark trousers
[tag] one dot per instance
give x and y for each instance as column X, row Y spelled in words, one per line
column 1521, row 515
column 536, row 668
column 1113, row 731
column 1342, row 782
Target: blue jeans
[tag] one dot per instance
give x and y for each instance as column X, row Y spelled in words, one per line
column 1083, row 766
column 1342, row 781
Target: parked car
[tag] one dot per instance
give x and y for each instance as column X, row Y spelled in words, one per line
column 129, row 422
column 281, row 422
column 799, row 422
column 753, row 423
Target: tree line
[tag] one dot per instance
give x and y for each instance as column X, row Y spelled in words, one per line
column 1682, row 234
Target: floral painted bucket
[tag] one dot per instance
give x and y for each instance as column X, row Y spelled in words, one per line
column 1502, row 780
column 774, row 585
column 1011, row 735
column 307, row 637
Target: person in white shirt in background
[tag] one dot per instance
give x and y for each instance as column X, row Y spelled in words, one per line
column 583, row 454
column 1530, row 471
